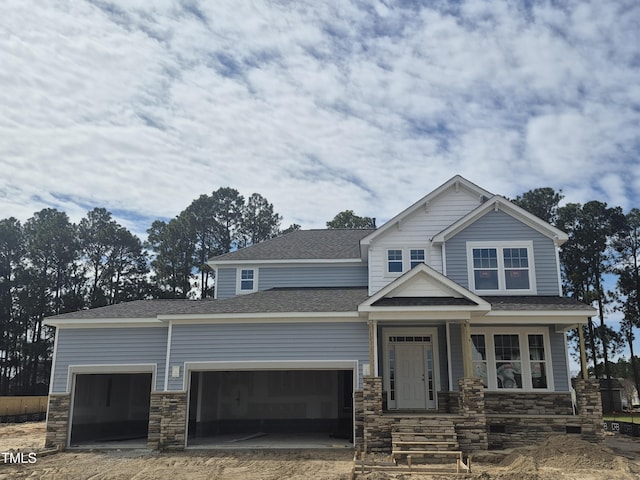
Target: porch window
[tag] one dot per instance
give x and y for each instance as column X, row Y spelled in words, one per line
column 394, row 261
column 508, row 361
column 479, row 356
column 538, row 361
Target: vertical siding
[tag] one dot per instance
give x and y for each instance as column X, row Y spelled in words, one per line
column 268, row 342
column 559, row 361
column 416, row 231
column 500, row 227
column 100, row 346
column 312, row 276
column 226, row 283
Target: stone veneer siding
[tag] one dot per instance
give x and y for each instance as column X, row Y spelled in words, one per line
column 527, row 403
column 589, row 406
column 58, row 414
column 472, row 427
column 167, row 421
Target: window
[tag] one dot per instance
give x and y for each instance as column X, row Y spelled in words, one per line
column 508, row 361
column 394, row 261
column 504, row 268
column 516, row 359
column 417, row 256
column 479, row 356
column 247, row 280
column 538, row 362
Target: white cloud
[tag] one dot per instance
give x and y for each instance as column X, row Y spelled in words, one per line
column 320, row 106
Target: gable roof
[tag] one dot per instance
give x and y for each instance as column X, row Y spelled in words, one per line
column 454, row 182
column 498, row 202
column 303, row 245
column 423, row 286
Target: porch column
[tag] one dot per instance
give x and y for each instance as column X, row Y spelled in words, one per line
column 373, row 342
column 583, row 354
column 467, row 357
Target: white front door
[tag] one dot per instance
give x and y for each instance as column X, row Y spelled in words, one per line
column 411, row 389
column 411, row 372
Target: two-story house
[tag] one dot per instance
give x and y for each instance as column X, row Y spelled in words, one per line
column 450, row 314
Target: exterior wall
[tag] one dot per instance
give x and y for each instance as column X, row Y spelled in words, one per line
column 108, row 346
column 501, row 227
column 312, row 276
column 267, row 342
column 557, row 355
column 416, row 230
column 226, row 283
column 527, row 403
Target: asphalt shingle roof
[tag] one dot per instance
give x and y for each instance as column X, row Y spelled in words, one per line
column 304, row 245
column 535, row 303
column 277, row 300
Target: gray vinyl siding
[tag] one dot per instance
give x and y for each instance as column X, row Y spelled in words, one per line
column 500, row 227
column 268, row 342
column 226, row 283
column 320, row 276
column 100, row 346
column 559, row 361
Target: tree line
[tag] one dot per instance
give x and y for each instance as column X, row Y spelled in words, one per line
column 50, row 266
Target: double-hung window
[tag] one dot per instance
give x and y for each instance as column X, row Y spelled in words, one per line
column 247, row 280
column 394, row 261
column 504, row 268
column 417, row 256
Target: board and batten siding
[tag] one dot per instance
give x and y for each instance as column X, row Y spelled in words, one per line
column 501, row 227
column 267, row 342
column 557, row 355
column 109, row 346
column 312, row 276
column 416, row 230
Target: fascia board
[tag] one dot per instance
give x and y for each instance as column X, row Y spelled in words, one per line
column 294, row 261
column 104, row 322
column 586, row 314
column 507, row 207
column 263, row 317
column 440, row 316
column 429, row 309
column 530, row 320
column 427, row 198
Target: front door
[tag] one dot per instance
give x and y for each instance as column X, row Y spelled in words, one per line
column 410, row 376
column 411, row 372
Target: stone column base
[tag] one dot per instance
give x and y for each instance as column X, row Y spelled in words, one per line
column 167, row 421
column 58, row 414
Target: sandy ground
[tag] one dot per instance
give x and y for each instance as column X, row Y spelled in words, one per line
column 558, row 458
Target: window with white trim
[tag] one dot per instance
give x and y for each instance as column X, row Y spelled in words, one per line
column 513, row 360
column 247, row 280
column 394, row 261
column 503, row 268
column 416, row 256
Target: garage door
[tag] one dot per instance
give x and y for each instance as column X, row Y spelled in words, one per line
column 110, row 408
column 281, row 401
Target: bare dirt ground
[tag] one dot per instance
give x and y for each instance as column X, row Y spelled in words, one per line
column 559, row 457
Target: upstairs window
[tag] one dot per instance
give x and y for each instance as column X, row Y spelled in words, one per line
column 247, row 280
column 394, row 261
column 506, row 268
column 417, row 256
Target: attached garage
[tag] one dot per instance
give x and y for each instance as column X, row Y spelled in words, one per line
column 241, row 403
column 110, row 408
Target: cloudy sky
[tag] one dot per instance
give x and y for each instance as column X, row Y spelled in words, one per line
column 140, row 106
